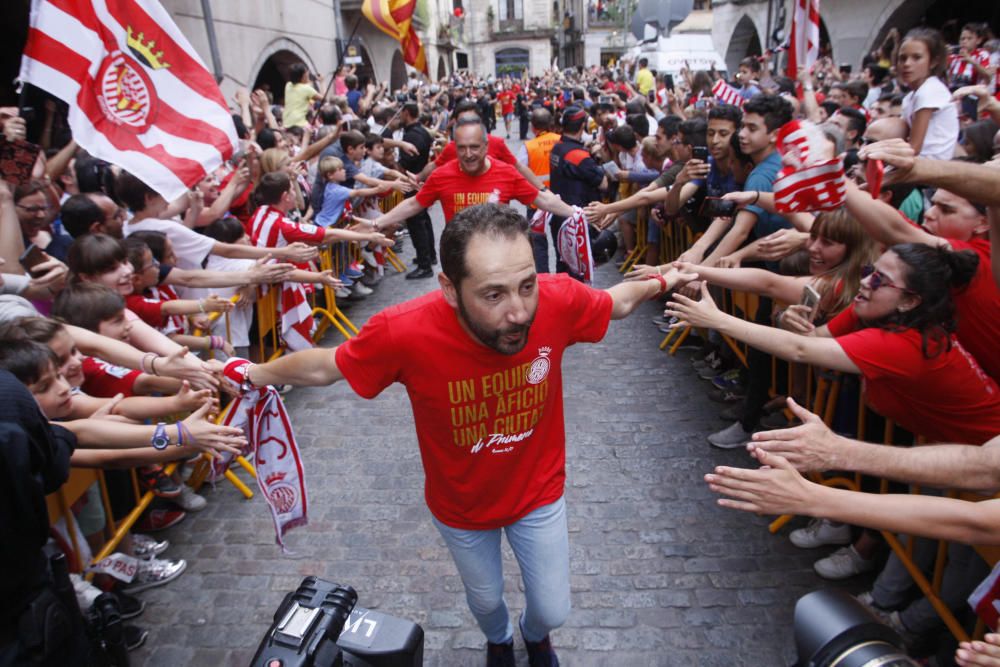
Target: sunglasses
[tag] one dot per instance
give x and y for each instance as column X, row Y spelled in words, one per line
column 877, row 279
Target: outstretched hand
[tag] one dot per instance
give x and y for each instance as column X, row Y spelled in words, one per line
column 702, row 313
column 774, row 488
column 810, row 447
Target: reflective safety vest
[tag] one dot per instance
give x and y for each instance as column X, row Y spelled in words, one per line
column 539, row 149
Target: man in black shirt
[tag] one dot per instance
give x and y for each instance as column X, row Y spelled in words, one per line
column 574, row 174
column 419, row 226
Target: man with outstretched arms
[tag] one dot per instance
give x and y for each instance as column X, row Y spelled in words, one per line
column 481, row 360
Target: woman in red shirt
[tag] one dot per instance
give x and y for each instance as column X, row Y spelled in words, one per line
column 898, row 335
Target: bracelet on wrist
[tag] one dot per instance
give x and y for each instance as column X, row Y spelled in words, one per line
column 144, row 359
column 663, row 284
column 756, row 197
column 201, row 305
column 152, row 365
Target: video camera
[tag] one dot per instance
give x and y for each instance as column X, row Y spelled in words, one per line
column 832, row 628
column 319, row 626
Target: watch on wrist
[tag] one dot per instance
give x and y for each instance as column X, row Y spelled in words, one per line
column 160, row 439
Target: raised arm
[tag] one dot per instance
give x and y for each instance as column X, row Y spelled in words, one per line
column 306, row 368
column 627, row 296
column 402, row 212
column 778, row 488
column 818, row 351
column 759, row 281
column 814, row 447
column 884, row 223
column 553, row 203
column 734, row 238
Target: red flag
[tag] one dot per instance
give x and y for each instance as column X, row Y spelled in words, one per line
column 394, row 18
column 803, row 46
column 574, row 246
column 986, row 599
column 138, row 95
column 727, row 94
column 807, row 181
column 261, row 413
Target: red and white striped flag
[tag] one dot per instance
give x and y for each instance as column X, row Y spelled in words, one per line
column 803, row 43
column 807, row 181
column 727, row 94
column 138, row 95
column 574, row 246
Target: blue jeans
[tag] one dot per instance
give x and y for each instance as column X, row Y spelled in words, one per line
column 540, row 542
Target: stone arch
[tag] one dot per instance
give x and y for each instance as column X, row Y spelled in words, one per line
column 744, row 42
column 397, row 71
column 272, row 65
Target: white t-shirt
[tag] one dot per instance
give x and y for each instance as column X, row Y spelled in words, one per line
column 942, row 131
column 240, row 318
column 190, row 247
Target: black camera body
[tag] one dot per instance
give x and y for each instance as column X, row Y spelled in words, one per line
column 319, row 626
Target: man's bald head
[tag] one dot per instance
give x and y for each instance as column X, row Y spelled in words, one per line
column 541, row 120
column 887, row 128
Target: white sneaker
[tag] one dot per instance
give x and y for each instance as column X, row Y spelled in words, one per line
column 342, row 293
column 731, row 437
column 820, row 532
column 360, row 290
column 843, row 564
column 189, row 501
column 155, row 572
column 145, row 547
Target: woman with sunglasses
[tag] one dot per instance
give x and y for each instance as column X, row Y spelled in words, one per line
column 898, row 334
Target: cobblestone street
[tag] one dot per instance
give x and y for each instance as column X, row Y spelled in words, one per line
column 660, row 574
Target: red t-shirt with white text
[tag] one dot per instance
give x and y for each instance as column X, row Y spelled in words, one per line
column 495, row 148
column 104, row 380
column 457, row 190
column 490, row 426
column 947, row 398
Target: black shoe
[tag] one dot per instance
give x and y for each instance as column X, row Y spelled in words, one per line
column 500, row 655
column 134, row 636
column 434, row 261
column 128, row 605
column 541, row 654
column 419, row 273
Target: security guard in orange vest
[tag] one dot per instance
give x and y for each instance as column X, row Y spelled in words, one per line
column 535, row 153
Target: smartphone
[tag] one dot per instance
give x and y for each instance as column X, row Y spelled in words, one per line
column 700, row 153
column 668, row 81
column 811, row 299
column 716, row 207
column 606, row 99
column 32, row 257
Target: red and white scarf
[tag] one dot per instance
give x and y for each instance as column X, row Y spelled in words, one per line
column 806, row 182
column 574, row 246
column 261, row 413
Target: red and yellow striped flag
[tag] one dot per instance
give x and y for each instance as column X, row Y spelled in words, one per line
column 394, row 18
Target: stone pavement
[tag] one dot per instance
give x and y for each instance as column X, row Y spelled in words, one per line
column 660, row 574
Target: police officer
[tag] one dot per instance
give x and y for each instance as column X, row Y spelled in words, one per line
column 576, row 176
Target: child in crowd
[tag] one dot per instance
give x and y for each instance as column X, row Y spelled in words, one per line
column 335, row 195
column 159, row 306
column 927, row 108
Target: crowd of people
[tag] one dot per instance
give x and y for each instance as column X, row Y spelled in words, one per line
column 112, row 348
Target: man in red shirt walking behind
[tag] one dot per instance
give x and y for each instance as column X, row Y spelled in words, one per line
column 481, row 360
column 473, row 179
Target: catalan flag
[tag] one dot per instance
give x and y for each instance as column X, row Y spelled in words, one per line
column 394, row 18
